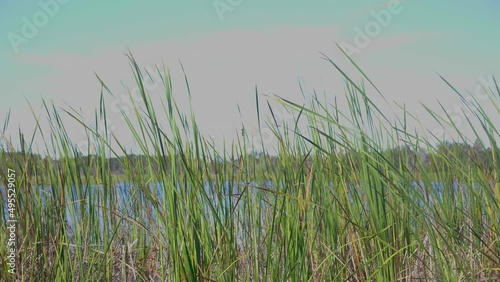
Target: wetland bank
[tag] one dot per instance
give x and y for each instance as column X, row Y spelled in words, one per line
column 352, row 196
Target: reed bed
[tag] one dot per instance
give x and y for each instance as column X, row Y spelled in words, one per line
column 350, row 196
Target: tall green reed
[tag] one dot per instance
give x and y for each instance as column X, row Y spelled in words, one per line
column 340, row 201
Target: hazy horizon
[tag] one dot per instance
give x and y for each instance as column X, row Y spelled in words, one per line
column 53, row 50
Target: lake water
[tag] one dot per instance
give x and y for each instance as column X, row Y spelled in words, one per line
column 223, row 199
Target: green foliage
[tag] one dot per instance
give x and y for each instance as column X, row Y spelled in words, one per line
column 352, row 198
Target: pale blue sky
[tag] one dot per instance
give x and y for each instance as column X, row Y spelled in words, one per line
column 270, row 43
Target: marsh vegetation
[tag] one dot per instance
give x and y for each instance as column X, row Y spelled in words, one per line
column 352, row 196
